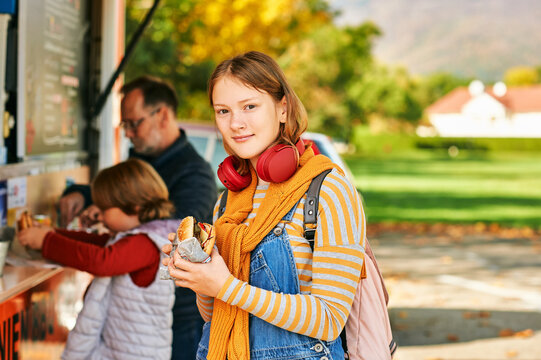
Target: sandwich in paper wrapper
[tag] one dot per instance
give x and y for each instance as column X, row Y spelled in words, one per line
column 193, row 241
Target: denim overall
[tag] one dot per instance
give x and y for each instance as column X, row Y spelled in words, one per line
column 272, row 267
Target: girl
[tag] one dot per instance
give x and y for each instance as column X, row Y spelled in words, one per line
column 127, row 310
column 265, row 295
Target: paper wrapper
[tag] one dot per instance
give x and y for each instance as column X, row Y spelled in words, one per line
column 189, row 249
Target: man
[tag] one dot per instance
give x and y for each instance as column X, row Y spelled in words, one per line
column 148, row 111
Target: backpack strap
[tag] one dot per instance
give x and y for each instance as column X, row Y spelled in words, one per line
column 311, row 206
column 310, row 217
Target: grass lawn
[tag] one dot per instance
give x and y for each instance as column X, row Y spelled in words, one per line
column 432, row 187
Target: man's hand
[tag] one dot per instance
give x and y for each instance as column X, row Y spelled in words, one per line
column 70, row 206
column 90, row 216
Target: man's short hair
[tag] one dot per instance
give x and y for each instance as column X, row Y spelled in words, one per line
column 155, row 91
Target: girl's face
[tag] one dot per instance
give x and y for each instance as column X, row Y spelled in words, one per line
column 248, row 119
column 117, row 220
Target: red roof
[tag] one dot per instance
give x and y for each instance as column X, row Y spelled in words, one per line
column 517, row 99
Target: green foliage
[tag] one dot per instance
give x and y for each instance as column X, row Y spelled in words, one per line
column 390, row 144
column 335, row 76
column 321, row 68
column 385, row 92
column 383, row 144
column 432, row 187
column 163, row 49
column 187, row 38
column 436, row 85
column 483, row 144
column 521, row 75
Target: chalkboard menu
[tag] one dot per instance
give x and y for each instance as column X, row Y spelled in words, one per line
column 52, row 60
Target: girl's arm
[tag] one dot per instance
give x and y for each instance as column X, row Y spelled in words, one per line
column 205, row 304
column 135, row 254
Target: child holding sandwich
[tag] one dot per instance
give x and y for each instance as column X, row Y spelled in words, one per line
column 264, row 294
column 127, row 309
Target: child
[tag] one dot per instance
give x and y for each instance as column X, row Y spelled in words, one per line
column 265, row 295
column 127, row 309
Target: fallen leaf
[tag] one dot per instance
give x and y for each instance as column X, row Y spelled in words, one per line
column 506, row 332
column 494, row 227
column 446, row 260
column 452, row 337
column 484, row 323
column 527, row 232
column 480, row 227
column 403, row 314
column 468, row 315
column 400, row 327
column 524, row 333
column 485, row 314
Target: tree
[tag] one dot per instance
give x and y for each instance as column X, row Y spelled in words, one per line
column 521, row 75
column 188, row 37
column 386, row 92
column 434, row 86
column 323, row 66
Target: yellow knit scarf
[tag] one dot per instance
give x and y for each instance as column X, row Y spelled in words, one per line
column 229, row 333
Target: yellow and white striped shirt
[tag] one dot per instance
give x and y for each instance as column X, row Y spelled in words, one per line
column 328, row 279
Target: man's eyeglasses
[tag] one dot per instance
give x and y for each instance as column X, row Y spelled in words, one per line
column 133, row 125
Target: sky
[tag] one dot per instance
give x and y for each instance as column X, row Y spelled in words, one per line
column 352, row 11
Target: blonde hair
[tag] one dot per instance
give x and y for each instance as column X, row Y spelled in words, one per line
column 261, row 72
column 134, row 187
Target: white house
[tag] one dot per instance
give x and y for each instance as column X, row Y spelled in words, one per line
column 497, row 111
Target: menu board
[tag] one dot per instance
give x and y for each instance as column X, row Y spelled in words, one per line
column 51, row 75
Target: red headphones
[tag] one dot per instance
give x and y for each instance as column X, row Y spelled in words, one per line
column 276, row 164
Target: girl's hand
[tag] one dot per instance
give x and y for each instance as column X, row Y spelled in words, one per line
column 33, row 237
column 205, row 279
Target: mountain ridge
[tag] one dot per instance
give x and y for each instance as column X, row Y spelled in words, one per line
column 468, row 38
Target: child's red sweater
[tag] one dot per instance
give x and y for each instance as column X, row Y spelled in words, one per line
column 134, row 254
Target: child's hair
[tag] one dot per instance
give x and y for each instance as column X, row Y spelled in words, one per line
column 261, row 72
column 134, row 187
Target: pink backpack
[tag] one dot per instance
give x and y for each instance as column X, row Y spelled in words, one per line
column 367, row 334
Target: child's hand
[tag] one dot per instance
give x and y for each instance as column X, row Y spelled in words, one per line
column 33, row 237
column 203, row 278
column 167, row 248
column 91, row 216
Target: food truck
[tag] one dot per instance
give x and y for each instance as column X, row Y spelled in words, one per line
column 59, row 110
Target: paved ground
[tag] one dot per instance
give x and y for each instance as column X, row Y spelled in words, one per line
column 461, row 293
